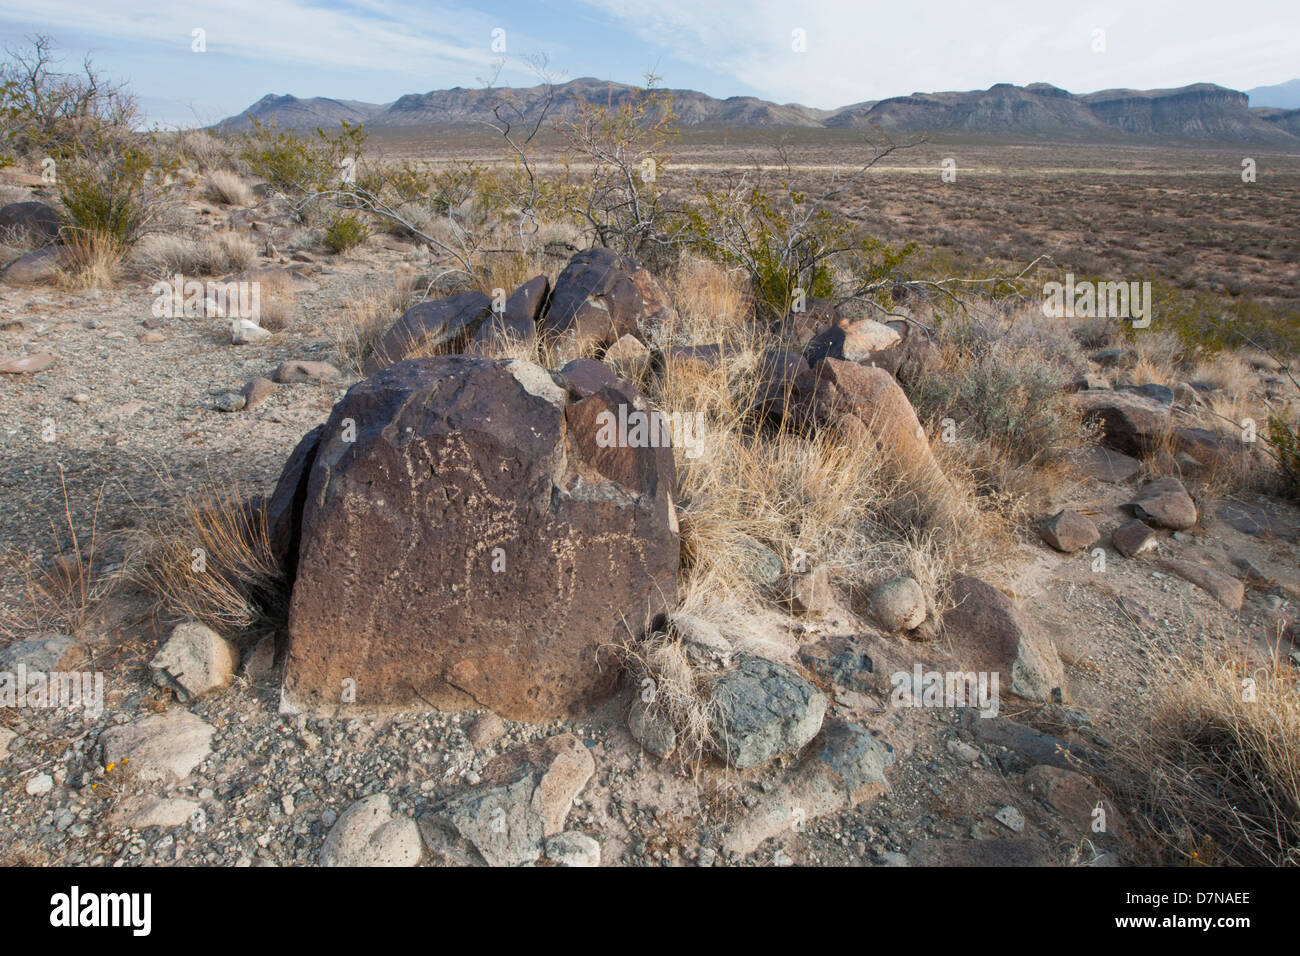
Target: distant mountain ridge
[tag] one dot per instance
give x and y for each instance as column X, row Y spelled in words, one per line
column 1201, row 111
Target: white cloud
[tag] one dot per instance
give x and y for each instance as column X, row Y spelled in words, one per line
column 861, row 51
column 417, row 39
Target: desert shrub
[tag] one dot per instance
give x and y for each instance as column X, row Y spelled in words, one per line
column 48, row 113
column 94, row 259
column 162, row 255
column 345, row 232
column 115, row 191
column 1004, row 385
column 301, row 166
column 225, row 186
column 210, row 560
column 1284, row 440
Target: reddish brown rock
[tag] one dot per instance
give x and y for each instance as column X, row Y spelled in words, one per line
column 256, row 391
column 26, row 364
column 1068, row 531
column 517, row 321
column 444, row 325
column 595, row 301
column 987, row 632
column 873, row 396
column 1130, row 421
column 1165, row 502
column 1133, row 538
column 475, row 546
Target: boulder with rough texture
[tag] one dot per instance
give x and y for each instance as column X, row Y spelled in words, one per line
column 1130, row 421
column 525, row 797
column 284, row 507
column 158, row 749
column 368, row 833
column 764, row 710
column 595, row 302
column 898, row 604
column 45, row 653
column 847, row 769
column 1068, row 531
column 43, row 265
column 874, row 398
column 629, row 356
column 479, row 543
column 444, row 325
column 1133, row 538
column 989, row 633
column 1224, row 588
column 30, row 221
column 1166, row 503
column 196, row 660
column 517, row 322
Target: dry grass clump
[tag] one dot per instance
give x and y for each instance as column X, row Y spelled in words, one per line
column 228, row 187
column 674, row 691
column 1216, row 764
column 95, row 260
column 369, row 313
column 210, row 561
column 161, row 255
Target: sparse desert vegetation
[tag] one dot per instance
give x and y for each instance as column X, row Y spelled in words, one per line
column 362, row 441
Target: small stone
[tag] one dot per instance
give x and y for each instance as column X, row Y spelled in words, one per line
column 230, row 402
column 256, row 391
column 246, row 332
column 810, row 592
column 571, row 848
column 898, row 604
column 485, row 730
column 289, row 373
column 1068, row 531
column 1011, row 818
column 651, row 728
column 40, row 784
column 79, row 398
column 26, row 364
column 195, row 661
column 763, row 710
column 702, row 641
column 151, row 338
column 963, row 751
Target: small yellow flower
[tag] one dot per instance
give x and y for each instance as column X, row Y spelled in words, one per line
column 109, row 768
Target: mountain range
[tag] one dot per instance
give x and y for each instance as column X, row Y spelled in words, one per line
column 1200, row 112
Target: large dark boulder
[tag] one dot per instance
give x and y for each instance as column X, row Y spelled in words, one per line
column 444, row 325
column 476, row 544
column 517, row 321
column 595, row 302
column 32, row 220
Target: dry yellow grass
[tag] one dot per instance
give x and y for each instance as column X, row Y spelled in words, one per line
column 95, row 260
column 369, row 313
column 55, row 598
column 1215, row 768
column 210, row 560
column 162, row 255
column 229, row 188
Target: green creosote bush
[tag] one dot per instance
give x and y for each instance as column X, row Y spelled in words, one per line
column 345, row 232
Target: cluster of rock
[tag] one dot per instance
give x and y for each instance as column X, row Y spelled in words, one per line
column 36, row 224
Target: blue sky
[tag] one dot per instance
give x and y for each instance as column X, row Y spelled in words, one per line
column 376, row 50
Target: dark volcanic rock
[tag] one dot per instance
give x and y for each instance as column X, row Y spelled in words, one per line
column 474, row 545
column 36, row 219
column 431, row 326
column 595, row 301
column 518, row 320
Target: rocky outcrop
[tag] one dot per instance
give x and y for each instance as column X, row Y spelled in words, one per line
column 470, row 540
